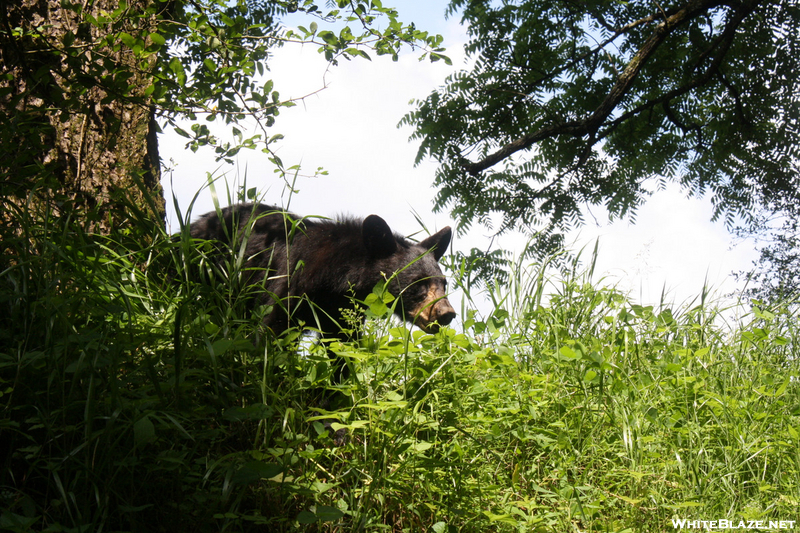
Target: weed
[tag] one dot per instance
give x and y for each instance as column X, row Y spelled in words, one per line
column 136, row 400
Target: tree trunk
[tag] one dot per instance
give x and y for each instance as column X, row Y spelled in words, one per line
column 77, row 131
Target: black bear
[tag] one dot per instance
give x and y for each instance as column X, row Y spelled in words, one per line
column 312, row 269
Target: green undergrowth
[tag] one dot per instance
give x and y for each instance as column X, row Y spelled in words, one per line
column 134, row 399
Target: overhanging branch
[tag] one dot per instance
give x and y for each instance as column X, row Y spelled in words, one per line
column 591, row 124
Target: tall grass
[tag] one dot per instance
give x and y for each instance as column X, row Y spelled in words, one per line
column 134, row 399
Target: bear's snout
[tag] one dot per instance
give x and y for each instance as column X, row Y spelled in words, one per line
column 443, row 314
column 435, row 310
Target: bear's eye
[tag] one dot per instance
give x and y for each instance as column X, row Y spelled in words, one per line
column 416, row 288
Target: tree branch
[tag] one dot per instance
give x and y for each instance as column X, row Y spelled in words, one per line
column 722, row 44
column 590, row 124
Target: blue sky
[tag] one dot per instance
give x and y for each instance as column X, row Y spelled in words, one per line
column 350, row 129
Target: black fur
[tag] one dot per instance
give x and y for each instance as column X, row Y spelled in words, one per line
column 310, row 269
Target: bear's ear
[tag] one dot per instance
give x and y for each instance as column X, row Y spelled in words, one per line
column 378, row 237
column 438, row 241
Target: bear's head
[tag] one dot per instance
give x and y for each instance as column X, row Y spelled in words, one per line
column 419, row 282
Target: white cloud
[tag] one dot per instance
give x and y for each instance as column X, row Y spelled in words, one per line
column 673, row 247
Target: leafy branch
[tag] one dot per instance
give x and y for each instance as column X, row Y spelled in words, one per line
column 570, row 105
column 590, row 125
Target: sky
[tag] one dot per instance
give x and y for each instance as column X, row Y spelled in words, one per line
column 350, row 128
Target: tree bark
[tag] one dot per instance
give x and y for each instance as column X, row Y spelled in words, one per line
column 76, row 127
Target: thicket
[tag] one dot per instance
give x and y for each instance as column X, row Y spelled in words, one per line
column 134, row 399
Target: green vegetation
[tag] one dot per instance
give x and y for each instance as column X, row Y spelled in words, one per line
column 135, row 400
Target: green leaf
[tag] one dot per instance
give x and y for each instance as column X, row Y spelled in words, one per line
column 127, row 39
column 329, row 37
column 355, row 424
column 356, row 52
column 567, row 352
column 328, row 514
column 421, row 446
column 254, row 471
column 504, row 518
column 222, row 346
column 158, row 39
column 376, row 305
column 144, row 432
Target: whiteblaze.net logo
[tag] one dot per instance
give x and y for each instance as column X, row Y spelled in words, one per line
column 708, row 525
